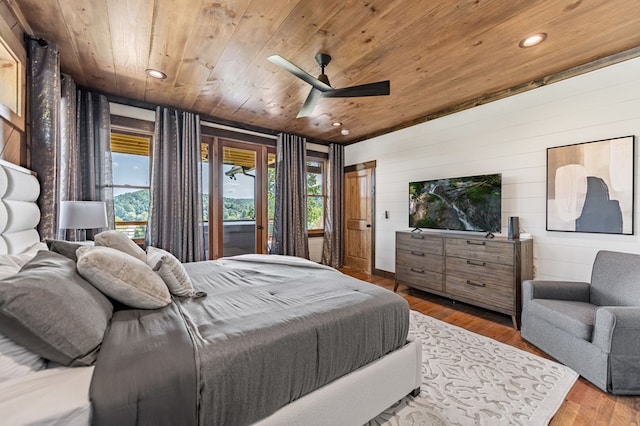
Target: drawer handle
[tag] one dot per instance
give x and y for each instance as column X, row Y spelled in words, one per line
column 471, row 262
column 420, row 271
column 417, row 237
column 476, row 243
column 475, row 283
column 417, row 253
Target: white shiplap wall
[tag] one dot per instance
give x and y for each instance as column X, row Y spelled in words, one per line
column 511, row 136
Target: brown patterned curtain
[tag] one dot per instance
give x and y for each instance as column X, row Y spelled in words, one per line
column 70, row 139
column 70, row 188
column 175, row 211
column 333, row 222
column 290, row 219
column 43, row 80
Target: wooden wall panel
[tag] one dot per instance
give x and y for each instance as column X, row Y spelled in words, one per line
column 12, row 144
column 12, row 124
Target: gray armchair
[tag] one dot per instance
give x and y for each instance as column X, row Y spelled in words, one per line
column 594, row 328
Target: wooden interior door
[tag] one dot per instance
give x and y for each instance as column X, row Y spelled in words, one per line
column 358, row 197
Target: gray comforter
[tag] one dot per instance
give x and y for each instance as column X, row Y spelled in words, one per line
column 271, row 330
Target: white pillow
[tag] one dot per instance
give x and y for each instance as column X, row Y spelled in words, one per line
column 22, row 258
column 119, row 241
column 10, row 264
column 170, row 269
column 17, row 361
column 122, row 277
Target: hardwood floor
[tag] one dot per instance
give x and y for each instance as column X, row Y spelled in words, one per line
column 584, row 405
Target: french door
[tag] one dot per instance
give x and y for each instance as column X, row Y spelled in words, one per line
column 239, row 207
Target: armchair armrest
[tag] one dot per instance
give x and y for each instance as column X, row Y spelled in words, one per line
column 559, row 290
column 616, row 330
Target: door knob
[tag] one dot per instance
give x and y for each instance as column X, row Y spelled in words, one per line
column 368, row 225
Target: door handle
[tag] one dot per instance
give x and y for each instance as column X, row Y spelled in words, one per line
column 368, row 225
column 259, row 227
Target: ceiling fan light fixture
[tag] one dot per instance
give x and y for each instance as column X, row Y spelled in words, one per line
column 532, row 40
column 155, row 73
column 320, row 87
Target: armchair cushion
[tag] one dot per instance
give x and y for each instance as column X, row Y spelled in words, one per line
column 559, row 290
column 617, row 330
column 615, row 279
column 576, row 318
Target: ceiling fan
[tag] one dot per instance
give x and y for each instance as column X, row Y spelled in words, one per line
column 321, row 88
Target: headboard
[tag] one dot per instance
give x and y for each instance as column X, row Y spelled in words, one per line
column 19, row 213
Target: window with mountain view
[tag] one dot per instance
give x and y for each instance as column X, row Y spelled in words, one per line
column 130, row 169
column 315, row 195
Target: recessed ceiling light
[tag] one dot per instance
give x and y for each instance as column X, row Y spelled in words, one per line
column 336, row 124
column 156, row 74
column 533, row 40
column 344, row 132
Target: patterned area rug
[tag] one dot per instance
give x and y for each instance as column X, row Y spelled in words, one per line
column 469, row 379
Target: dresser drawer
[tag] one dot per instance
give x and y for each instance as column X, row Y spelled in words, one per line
column 480, row 271
column 422, row 243
column 483, row 293
column 420, row 260
column 419, row 277
column 482, row 250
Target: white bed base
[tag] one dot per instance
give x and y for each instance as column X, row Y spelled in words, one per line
column 60, row 396
column 359, row 396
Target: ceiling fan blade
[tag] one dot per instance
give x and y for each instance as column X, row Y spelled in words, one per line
column 298, row 72
column 371, row 89
column 310, row 103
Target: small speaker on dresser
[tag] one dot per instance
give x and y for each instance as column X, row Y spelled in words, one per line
column 514, row 228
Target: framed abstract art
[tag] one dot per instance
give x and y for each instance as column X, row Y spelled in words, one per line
column 590, row 187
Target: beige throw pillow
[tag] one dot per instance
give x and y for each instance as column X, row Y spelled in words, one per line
column 119, row 241
column 170, row 269
column 122, row 277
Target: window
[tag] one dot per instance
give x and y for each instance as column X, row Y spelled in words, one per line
column 316, row 195
column 204, row 187
column 130, row 169
column 271, row 195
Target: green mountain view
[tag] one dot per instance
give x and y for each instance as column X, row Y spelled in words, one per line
column 134, row 207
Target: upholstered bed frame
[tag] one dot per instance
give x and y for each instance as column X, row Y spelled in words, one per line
column 19, row 213
column 351, row 399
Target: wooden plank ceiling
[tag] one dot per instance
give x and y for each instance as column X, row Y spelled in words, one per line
column 438, row 54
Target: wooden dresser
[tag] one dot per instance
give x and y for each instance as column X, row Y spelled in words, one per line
column 468, row 268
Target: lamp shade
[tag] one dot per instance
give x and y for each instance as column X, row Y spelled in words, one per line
column 82, row 215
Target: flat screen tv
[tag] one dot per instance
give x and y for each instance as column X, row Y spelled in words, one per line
column 471, row 203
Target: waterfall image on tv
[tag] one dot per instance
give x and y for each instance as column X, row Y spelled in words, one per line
column 470, row 203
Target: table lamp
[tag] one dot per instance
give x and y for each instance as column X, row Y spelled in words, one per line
column 82, row 215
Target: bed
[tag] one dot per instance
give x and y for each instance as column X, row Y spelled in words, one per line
column 276, row 340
